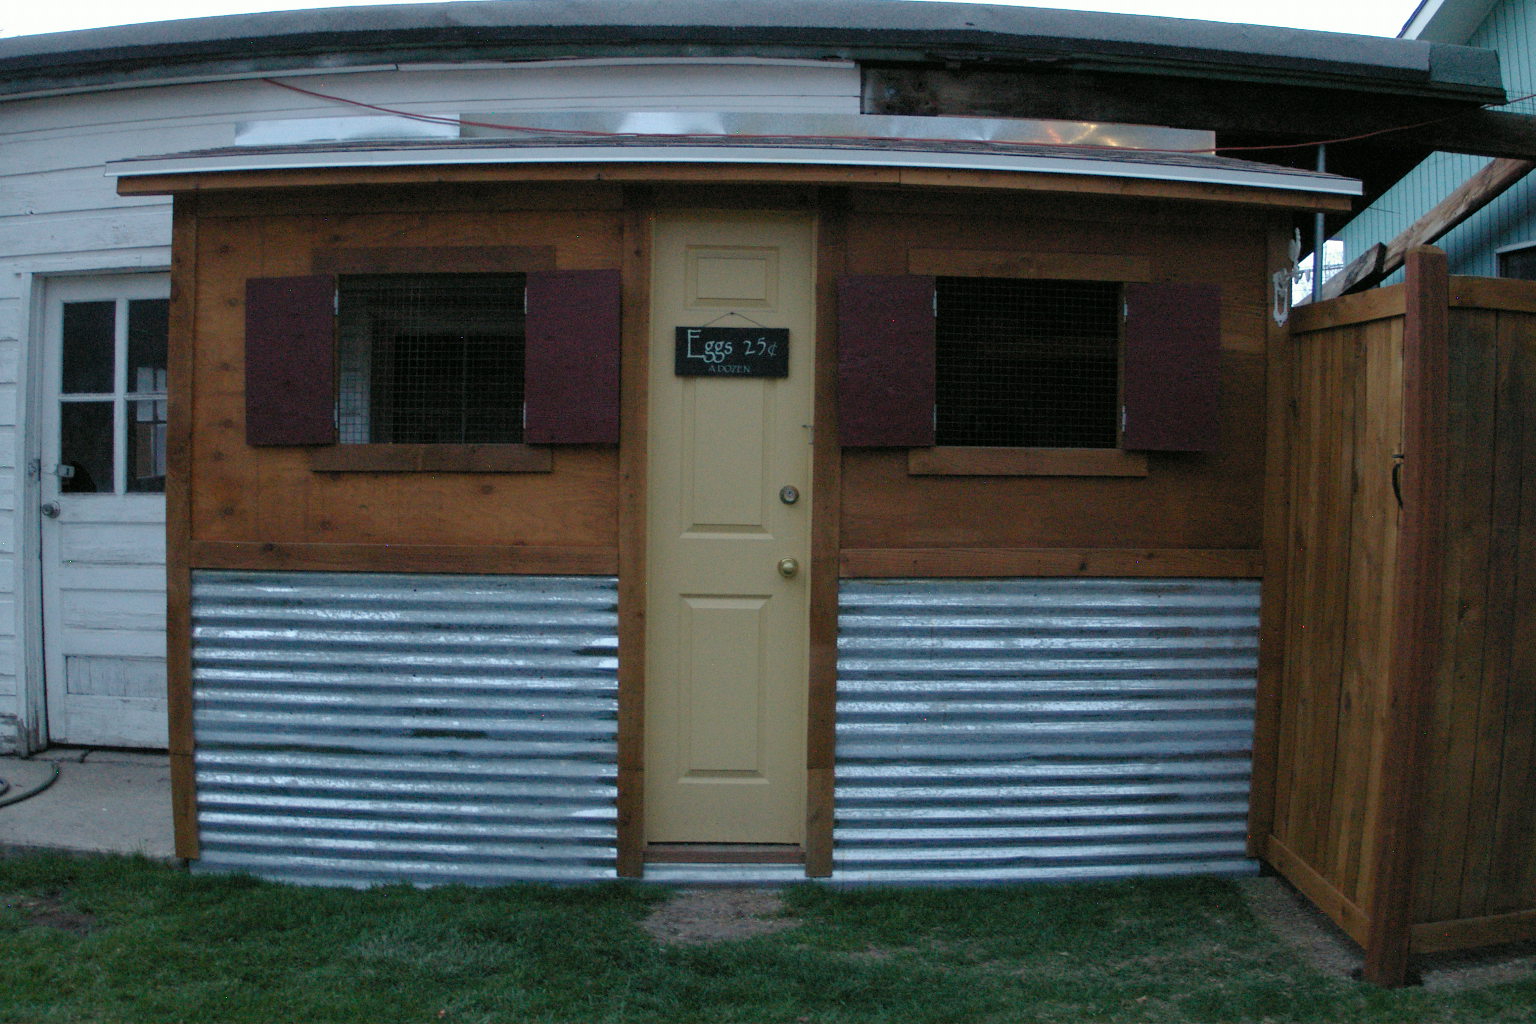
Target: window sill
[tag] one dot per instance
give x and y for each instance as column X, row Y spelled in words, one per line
column 1025, row 462
column 431, row 458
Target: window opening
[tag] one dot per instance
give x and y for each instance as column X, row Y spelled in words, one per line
column 431, row 359
column 1518, row 263
column 1027, row 363
column 112, row 396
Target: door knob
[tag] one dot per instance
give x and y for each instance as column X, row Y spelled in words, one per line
column 51, row 509
column 788, row 567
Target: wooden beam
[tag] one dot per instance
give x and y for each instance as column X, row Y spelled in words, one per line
column 1417, row 596
column 1373, row 265
column 1288, row 113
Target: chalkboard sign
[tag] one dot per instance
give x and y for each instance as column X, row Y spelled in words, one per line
column 732, row 352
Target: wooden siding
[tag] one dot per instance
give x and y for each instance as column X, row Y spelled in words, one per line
column 1194, row 514
column 1330, row 796
column 59, row 214
column 274, row 498
column 1345, row 426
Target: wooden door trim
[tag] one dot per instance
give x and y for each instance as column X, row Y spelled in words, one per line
column 634, row 437
column 826, row 524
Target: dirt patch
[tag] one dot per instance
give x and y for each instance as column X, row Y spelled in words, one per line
column 700, row 916
column 50, row 911
column 1299, row 924
column 1296, row 922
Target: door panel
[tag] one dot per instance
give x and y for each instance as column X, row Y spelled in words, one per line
column 727, row 669
column 103, row 530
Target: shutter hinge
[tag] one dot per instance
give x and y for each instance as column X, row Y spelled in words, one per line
column 1124, row 419
column 525, row 300
column 336, row 301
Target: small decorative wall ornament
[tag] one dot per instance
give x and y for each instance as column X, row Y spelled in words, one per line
column 1285, row 280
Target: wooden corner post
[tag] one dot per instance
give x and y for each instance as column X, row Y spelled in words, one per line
column 1417, row 597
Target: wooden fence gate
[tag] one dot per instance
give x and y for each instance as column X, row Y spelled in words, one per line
column 1395, row 755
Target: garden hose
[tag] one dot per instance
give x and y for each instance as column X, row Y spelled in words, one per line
column 16, row 798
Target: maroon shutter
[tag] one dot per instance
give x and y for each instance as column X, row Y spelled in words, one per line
column 290, row 360
column 885, row 359
column 1172, row 367
column 571, row 378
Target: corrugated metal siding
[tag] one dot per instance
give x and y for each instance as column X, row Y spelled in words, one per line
column 357, row 728
column 1043, row 729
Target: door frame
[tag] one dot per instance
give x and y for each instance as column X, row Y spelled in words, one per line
column 31, row 695
column 829, row 206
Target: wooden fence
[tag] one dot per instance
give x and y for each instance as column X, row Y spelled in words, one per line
column 1395, row 756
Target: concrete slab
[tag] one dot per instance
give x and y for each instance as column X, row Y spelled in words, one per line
column 101, row 802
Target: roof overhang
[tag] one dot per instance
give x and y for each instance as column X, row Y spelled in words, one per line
column 863, row 30
column 954, row 164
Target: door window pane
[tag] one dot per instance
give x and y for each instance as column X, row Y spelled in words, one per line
column 90, row 346
column 85, row 446
column 148, row 322
column 146, row 445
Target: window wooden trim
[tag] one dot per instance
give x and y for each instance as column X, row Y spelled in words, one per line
column 951, row 461
column 431, row 458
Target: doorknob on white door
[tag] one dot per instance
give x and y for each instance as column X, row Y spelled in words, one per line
column 51, row 509
column 788, row 567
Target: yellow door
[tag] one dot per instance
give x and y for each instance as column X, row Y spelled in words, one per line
column 729, row 537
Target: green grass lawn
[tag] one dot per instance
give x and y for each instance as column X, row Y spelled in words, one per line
column 112, row 939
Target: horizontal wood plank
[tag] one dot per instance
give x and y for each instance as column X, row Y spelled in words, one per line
column 1025, row 462
column 497, row 559
column 431, row 458
column 1378, row 304
column 1070, row 266
column 876, row 563
column 1440, row 936
column 723, row 853
column 1504, row 294
column 435, row 259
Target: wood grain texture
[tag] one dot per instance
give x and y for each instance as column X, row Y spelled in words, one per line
column 1462, row 933
column 826, row 508
column 634, row 439
column 431, row 458
column 874, row 563
column 1378, row 304
column 1342, row 910
column 250, row 496
column 1416, row 636
column 442, row 259
column 1211, row 501
column 465, row 558
column 1025, row 462
column 1063, row 266
column 181, row 365
column 1270, row 694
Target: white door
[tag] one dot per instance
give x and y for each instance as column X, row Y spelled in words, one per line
column 103, row 523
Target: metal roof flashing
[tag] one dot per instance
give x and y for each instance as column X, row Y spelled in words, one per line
column 946, row 155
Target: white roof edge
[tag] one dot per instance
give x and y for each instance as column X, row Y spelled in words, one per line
column 1247, row 176
column 1446, row 21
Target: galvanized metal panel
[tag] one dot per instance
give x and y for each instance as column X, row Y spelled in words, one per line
column 1043, row 729
column 356, row 728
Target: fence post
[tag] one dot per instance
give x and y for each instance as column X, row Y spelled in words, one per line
column 1417, row 596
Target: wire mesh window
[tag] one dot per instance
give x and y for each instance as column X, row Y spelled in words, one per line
column 431, row 359
column 1027, row 364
